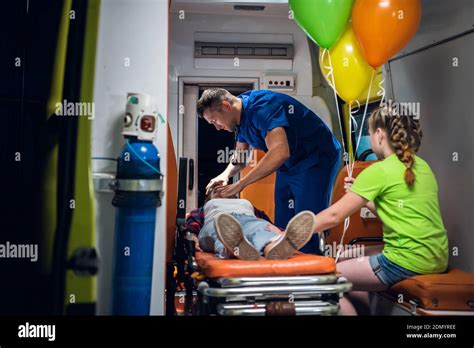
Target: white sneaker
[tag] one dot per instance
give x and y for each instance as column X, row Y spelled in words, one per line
column 298, row 232
column 231, row 235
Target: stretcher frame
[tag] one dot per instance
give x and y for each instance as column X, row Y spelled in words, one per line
column 251, row 296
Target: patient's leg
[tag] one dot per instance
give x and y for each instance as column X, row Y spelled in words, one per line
column 208, row 240
column 230, row 233
column 259, row 232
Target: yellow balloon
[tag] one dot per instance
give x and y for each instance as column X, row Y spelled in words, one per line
column 374, row 89
column 352, row 73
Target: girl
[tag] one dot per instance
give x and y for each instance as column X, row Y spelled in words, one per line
column 402, row 190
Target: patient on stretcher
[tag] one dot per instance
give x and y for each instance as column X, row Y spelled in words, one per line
column 234, row 228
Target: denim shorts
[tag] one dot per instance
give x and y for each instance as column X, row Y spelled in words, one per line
column 388, row 272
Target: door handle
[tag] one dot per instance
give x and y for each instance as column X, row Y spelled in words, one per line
column 191, row 174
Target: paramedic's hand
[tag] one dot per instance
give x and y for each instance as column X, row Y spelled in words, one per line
column 348, row 181
column 221, row 179
column 230, row 190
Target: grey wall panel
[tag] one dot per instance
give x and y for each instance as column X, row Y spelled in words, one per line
column 445, row 94
column 441, row 19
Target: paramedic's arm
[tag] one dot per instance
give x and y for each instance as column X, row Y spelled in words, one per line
column 278, row 152
column 336, row 213
column 231, row 169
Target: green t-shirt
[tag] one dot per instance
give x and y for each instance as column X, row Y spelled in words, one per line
column 414, row 234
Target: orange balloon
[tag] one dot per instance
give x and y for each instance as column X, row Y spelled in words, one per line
column 383, row 27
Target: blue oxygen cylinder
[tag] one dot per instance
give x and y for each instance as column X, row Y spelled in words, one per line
column 139, row 162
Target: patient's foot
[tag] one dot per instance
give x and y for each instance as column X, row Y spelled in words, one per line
column 298, row 232
column 231, row 235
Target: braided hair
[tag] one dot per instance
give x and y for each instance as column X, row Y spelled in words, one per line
column 404, row 134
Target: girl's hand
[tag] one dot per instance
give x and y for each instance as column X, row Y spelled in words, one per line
column 348, row 181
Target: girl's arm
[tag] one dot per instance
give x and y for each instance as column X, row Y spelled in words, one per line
column 336, row 213
column 348, row 181
column 371, row 207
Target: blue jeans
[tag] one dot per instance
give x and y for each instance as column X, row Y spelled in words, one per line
column 257, row 231
column 387, row 271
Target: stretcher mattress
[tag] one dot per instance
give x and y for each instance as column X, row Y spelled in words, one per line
column 298, row 264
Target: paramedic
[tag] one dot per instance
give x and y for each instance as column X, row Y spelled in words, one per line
column 297, row 144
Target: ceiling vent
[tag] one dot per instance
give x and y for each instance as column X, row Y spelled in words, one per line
column 249, row 7
column 243, row 50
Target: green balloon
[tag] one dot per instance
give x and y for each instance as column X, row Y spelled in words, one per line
column 323, row 21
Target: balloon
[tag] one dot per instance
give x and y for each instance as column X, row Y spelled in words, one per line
column 383, row 27
column 352, row 74
column 322, row 20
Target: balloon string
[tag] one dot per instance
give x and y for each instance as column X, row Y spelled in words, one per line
column 381, row 91
column 328, row 68
column 349, row 167
column 352, row 112
column 356, row 110
column 363, row 119
column 351, row 120
column 331, row 75
column 346, row 155
column 347, row 220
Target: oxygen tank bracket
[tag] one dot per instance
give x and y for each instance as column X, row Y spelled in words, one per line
column 104, row 182
column 138, row 185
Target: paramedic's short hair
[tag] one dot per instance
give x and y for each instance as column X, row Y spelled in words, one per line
column 212, row 97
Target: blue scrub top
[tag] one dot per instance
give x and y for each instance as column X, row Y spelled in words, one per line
column 309, row 139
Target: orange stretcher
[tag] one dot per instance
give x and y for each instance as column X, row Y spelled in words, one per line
column 301, row 285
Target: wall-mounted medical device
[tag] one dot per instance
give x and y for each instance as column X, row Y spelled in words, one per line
column 279, row 82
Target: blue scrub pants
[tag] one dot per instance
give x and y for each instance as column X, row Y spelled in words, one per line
column 306, row 189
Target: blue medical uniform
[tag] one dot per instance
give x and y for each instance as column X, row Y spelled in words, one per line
column 305, row 180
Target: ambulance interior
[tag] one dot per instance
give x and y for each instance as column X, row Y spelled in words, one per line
column 173, row 50
column 201, row 36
